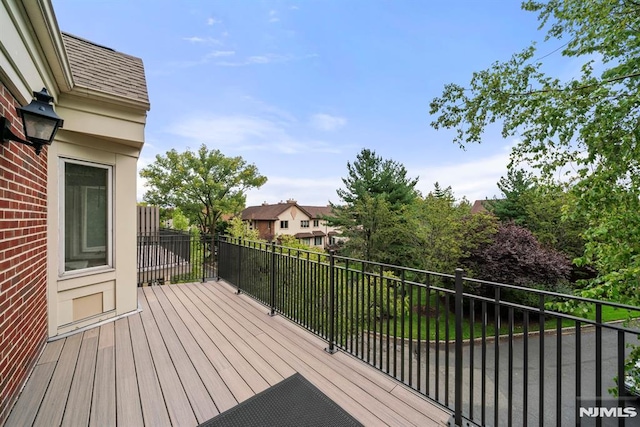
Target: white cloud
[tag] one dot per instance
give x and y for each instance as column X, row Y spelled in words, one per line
column 273, row 16
column 306, row 191
column 327, row 122
column 140, row 182
column 272, row 111
column 213, row 21
column 474, row 179
column 267, row 58
column 219, row 53
column 246, row 133
column 257, row 59
column 205, row 40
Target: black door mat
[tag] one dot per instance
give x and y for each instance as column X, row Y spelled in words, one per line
column 293, row 402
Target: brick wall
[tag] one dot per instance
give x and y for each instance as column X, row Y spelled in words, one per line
column 23, row 258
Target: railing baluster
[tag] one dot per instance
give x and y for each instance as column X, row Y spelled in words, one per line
column 598, row 350
column 458, row 354
column 541, row 364
column 496, row 357
column 622, row 393
column 525, row 369
column 558, row 370
column 472, row 344
column 578, row 352
column 484, row 363
column 419, row 340
column 510, row 371
column 332, row 295
column 272, row 279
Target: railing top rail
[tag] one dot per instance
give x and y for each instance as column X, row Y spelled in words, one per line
column 554, row 294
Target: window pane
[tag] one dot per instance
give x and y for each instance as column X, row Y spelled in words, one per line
column 86, row 216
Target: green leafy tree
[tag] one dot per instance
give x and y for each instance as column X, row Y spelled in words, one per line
column 238, row 228
column 445, row 231
column 588, row 125
column 179, row 220
column 372, row 215
column 204, row 184
column 374, row 176
column 513, row 205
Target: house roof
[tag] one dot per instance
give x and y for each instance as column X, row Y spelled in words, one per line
column 317, row 211
column 481, row 206
column 267, row 212
column 105, row 70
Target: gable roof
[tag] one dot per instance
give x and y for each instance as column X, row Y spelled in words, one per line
column 482, row 206
column 317, row 212
column 104, row 70
column 267, row 212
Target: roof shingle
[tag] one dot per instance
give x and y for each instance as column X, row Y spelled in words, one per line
column 103, row 69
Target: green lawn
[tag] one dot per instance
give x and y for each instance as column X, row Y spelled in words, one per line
column 436, row 327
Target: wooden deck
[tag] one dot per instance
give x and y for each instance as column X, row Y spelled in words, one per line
column 194, row 351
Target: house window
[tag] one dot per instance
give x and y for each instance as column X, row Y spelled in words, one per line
column 317, row 241
column 86, row 215
column 284, row 224
column 304, row 223
column 316, row 222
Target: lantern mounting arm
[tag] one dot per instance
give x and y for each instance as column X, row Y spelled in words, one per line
column 7, row 135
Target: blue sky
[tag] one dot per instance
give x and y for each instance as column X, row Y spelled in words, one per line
column 300, row 87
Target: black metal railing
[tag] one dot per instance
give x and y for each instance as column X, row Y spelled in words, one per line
column 460, row 341
column 171, row 256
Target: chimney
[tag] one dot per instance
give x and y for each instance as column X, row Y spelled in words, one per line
column 291, row 201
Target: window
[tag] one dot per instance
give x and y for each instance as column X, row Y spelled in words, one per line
column 304, row 223
column 86, row 215
column 284, row 224
column 317, row 241
column 316, row 222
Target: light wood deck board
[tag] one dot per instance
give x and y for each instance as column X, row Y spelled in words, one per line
column 199, row 398
column 103, row 406
column 51, row 352
column 148, row 384
column 81, row 390
column 389, row 409
column 215, row 385
column 248, row 373
column 232, row 379
column 178, row 406
column 55, row 399
column 202, row 335
column 254, row 357
column 128, row 406
column 23, row 413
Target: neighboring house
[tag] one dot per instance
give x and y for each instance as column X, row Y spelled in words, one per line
column 305, row 223
column 481, row 206
column 67, row 215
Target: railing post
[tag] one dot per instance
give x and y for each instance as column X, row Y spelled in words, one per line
column 203, row 254
column 457, row 414
column 238, row 290
column 272, row 279
column 332, row 304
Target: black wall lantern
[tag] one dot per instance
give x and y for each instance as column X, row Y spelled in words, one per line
column 39, row 120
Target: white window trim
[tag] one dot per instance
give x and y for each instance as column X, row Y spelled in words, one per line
column 61, row 220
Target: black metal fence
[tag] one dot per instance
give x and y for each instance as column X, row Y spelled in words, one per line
column 459, row 341
column 171, row 256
